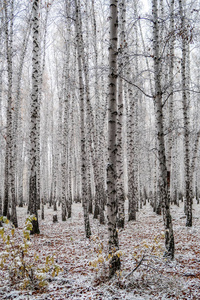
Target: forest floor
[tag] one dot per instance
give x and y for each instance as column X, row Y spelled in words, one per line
column 84, row 264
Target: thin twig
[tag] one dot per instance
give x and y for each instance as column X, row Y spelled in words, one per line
column 131, row 83
column 140, row 262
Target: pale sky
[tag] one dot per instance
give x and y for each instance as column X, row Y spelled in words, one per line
column 146, row 5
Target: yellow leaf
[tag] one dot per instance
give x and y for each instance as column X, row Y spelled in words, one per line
column 53, row 273
column 2, row 232
column 101, row 259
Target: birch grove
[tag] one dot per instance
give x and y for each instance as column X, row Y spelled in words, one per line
column 99, row 105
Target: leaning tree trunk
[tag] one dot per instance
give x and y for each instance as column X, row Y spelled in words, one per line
column 169, row 236
column 34, row 118
column 112, row 148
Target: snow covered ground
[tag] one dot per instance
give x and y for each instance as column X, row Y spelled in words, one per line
column 155, row 278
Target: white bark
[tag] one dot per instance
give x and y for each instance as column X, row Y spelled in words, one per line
column 188, row 201
column 83, row 140
column 34, row 116
column 169, row 237
column 112, row 146
column 120, row 118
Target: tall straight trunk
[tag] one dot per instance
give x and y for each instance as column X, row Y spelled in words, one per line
column 1, row 140
column 135, row 116
column 17, row 122
column 112, row 146
column 8, row 117
column 70, row 166
column 57, row 141
column 10, row 165
column 130, row 145
column 132, row 136
column 169, row 236
column 12, row 158
column 171, row 98
column 97, row 103
column 43, row 61
column 34, row 117
column 120, row 119
column 1, row 119
column 83, row 140
column 185, row 102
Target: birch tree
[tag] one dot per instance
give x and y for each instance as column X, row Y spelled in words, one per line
column 171, row 98
column 188, row 183
column 34, row 117
column 9, row 182
column 112, row 143
column 132, row 130
column 83, row 138
column 1, row 119
column 17, row 121
column 8, row 114
column 120, row 118
column 169, row 236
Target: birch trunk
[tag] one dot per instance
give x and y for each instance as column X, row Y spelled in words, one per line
column 132, row 136
column 8, row 117
column 65, row 137
column 1, row 98
column 185, row 120
column 83, row 140
column 171, row 98
column 120, row 119
column 169, row 236
column 12, row 149
column 17, row 122
column 9, row 162
column 34, row 117
column 112, row 146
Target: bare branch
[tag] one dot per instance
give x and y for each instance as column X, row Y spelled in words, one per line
column 128, row 81
column 140, row 262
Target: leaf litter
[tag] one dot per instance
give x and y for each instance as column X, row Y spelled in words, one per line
column 84, row 266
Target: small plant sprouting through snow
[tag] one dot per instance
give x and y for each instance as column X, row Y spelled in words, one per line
column 24, row 269
column 100, row 264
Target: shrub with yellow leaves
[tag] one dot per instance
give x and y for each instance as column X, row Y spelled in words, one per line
column 100, row 264
column 98, row 248
column 24, row 269
column 148, row 252
column 155, row 248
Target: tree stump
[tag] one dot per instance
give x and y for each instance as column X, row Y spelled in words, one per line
column 114, row 265
column 55, row 218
